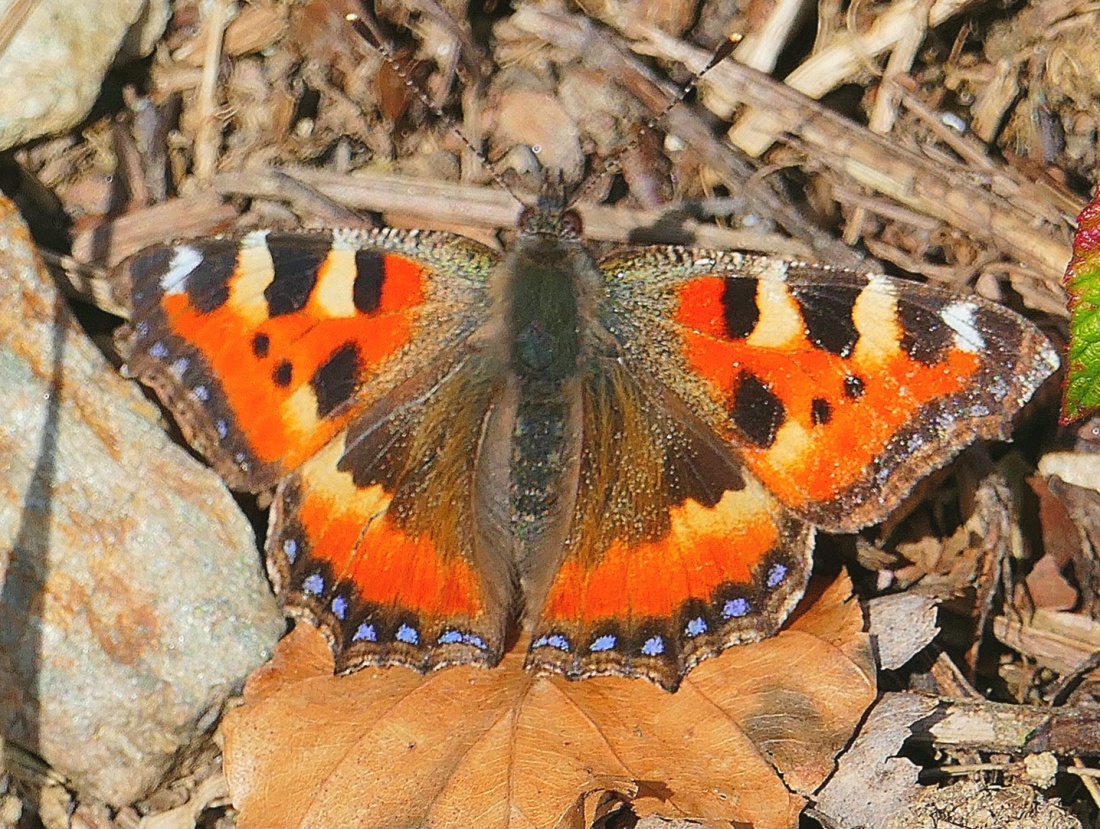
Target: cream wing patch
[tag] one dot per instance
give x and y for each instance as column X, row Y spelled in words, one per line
column 875, row 317
column 255, row 272
column 780, row 323
column 332, row 297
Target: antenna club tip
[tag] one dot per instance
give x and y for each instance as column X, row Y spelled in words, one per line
column 724, row 51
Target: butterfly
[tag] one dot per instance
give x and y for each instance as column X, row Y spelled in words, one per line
column 624, row 459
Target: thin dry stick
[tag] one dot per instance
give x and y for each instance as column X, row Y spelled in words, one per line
column 839, row 62
column 208, row 137
column 884, row 113
column 316, row 204
column 964, row 769
column 885, row 208
column 1088, row 778
column 1007, row 728
column 761, row 49
column 1018, row 226
column 466, row 206
column 966, row 148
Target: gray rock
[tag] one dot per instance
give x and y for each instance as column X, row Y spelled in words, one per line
column 54, row 64
column 132, row 599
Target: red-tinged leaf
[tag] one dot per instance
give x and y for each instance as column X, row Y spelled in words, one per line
column 1081, row 395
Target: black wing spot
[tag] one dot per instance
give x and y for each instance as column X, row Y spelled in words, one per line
column 756, row 410
column 208, row 284
column 370, row 276
column 828, row 317
column 295, row 262
column 335, row 381
column 821, row 411
column 739, row 308
column 925, row 337
column 283, row 374
column 853, row 387
column 261, row 345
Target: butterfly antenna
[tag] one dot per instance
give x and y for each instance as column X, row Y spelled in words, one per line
column 614, row 163
column 367, row 29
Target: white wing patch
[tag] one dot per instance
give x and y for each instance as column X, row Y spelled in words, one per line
column 959, row 316
column 184, row 261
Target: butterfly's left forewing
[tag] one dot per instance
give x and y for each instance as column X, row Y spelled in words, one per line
column 266, row 346
column 838, row 390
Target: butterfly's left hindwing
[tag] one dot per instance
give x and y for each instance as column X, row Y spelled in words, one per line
column 675, row 552
column 377, row 537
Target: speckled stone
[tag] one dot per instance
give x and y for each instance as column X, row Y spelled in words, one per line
column 54, row 65
column 132, row 600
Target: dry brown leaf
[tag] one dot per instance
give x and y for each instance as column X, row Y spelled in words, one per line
column 873, row 782
column 503, row 748
column 903, row 624
column 1071, row 530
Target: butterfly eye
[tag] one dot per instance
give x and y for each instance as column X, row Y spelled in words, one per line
column 571, row 224
column 528, row 218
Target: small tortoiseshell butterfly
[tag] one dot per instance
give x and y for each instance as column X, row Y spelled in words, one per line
column 625, row 458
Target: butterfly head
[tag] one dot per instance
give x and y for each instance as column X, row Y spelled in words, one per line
column 551, row 214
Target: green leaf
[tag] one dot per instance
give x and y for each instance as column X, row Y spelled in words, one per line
column 1081, row 395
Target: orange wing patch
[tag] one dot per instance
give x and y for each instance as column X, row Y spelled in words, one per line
column 382, row 594
column 353, row 535
column 705, row 548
